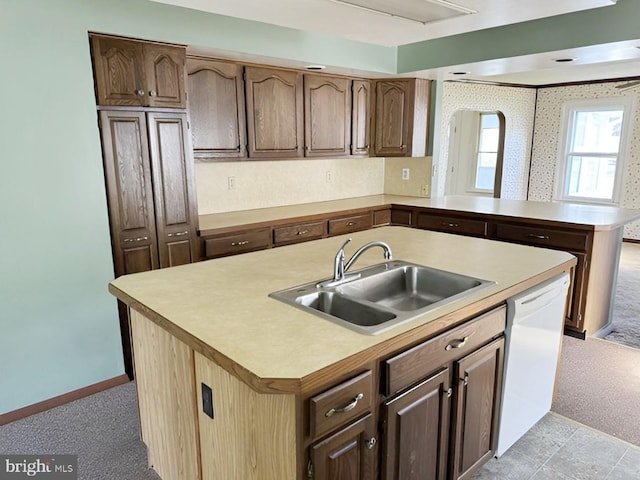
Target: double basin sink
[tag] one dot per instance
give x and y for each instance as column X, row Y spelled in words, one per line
column 377, row 298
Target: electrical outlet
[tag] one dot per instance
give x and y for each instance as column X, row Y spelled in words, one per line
column 231, row 182
column 406, row 173
column 329, row 176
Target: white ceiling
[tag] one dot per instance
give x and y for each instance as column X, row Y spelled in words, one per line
column 332, row 18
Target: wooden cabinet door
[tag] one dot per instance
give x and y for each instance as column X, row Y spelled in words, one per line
column 417, row 431
column 173, row 187
column 118, row 71
column 360, row 117
column 164, row 68
column 575, row 308
column 479, row 379
column 274, row 113
column 130, row 195
column 327, row 116
column 393, row 117
column 348, row 454
column 216, row 108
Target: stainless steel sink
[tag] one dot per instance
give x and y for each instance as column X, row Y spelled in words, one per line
column 382, row 296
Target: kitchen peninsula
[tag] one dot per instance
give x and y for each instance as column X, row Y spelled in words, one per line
column 592, row 233
column 235, row 384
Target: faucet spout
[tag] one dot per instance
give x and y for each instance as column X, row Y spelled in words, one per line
column 387, row 253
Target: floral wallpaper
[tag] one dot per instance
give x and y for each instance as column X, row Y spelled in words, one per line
column 518, row 106
column 546, row 143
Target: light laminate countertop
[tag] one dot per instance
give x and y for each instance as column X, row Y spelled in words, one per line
column 221, row 307
column 600, row 217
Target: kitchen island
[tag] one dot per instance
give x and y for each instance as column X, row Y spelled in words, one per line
column 233, row 384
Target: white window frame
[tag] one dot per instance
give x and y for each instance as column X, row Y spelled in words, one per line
column 473, row 172
column 569, row 108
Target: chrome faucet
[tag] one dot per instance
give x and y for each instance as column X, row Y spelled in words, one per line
column 340, row 267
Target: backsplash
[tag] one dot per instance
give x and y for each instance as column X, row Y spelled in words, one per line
column 546, row 143
column 231, row 186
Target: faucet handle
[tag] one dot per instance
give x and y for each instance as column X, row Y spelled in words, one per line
column 345, row 244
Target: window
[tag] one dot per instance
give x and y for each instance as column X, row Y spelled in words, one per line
column 591, row 165
column 487, row 154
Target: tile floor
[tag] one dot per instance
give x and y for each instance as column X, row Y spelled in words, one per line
column 558, row 448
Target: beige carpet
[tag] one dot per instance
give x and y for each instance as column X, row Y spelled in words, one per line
column 599, row 386
column 626, row 309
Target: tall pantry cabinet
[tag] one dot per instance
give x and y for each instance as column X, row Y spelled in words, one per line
column 147, row 158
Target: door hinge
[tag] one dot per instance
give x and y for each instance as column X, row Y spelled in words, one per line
column 310, row 470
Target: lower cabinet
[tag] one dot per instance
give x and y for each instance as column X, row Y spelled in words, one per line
column 477, row 406
column 387, row 420
column 348, row 454
column 416, row 428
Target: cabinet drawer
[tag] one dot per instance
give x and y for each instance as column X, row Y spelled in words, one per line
column 544, row 237
column 354, row 223
column 298, row 233
column 237, row 243
column 406, row 368
column 465, row 226
column 340, row 404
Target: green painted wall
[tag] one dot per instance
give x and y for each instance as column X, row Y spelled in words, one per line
column 59, row 326
column 609, row 24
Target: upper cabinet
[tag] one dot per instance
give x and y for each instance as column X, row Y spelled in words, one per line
column 401, row 112
column 216, row 108
column 274, row 113
column 360, row 117
column 327, row 116
column 136, row 73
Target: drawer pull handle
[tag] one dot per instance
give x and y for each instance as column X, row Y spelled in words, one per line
column 456, row 344
column 350, row 224
column 178, row 234
column 302, row 232
column 450, row 224
column 139, row 239
column 371, row 443
column 539, row 237
column 346, row 408
column 239, row 244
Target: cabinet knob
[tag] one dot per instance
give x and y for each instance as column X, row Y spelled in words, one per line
column 371, row 443
column 140, row 92
column 152, row 93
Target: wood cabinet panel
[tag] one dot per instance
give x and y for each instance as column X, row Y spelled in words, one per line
column 341, row 404
column 216, row 108
column 174, row 195
column 452, row 224
column 479, row 379
column 361, row 117
column 164, row 70
column 327, row 116
column 129, row 191
column 235, row 243
column 404, row 369
column 575, row 308
column 416, row 426
column 354, row 223
column 393, row 117
column 136, row 73
column 345, row 455
column 401, row 217
column 299, row 233
column 381, row 217
column 542, row 236
column 274, row 113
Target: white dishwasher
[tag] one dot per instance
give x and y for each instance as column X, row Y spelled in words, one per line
column 535, row 320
